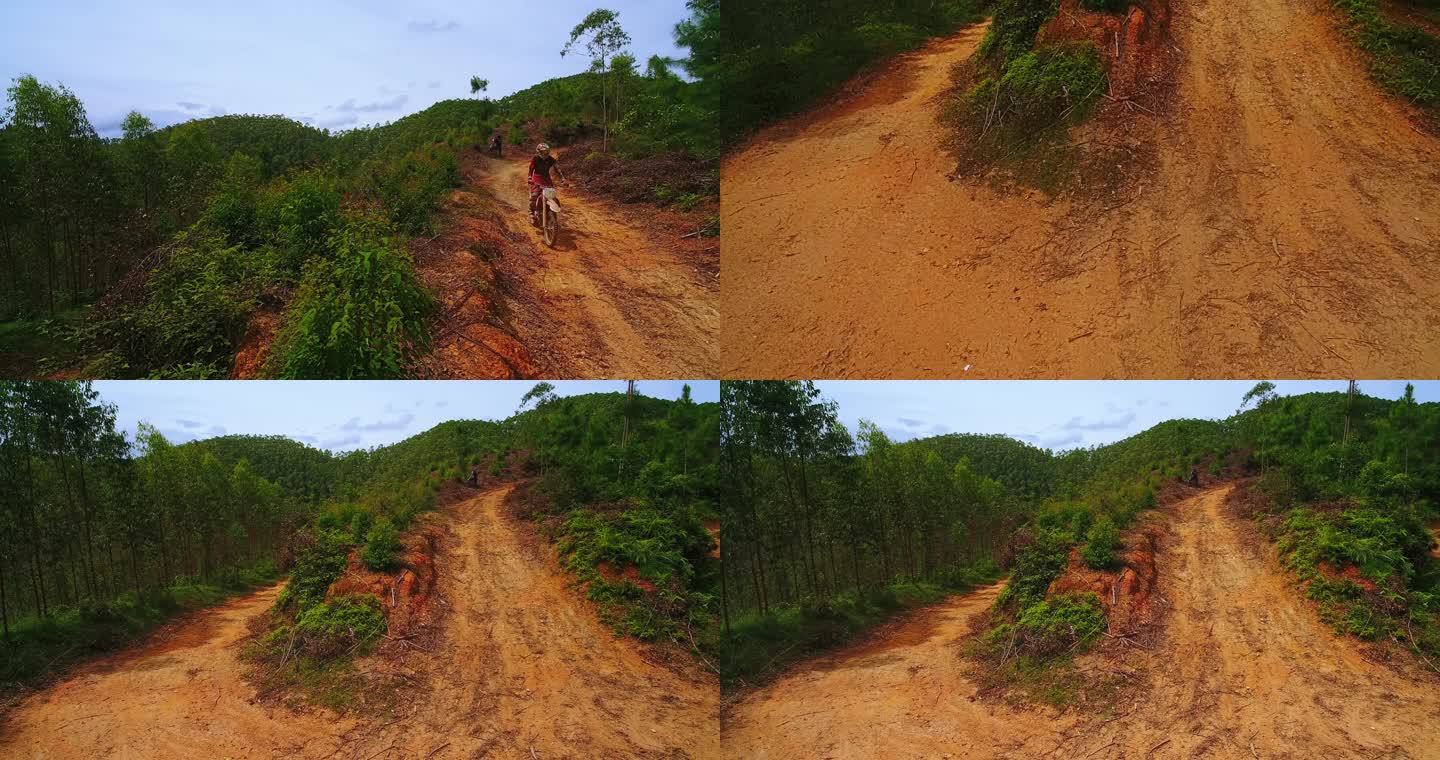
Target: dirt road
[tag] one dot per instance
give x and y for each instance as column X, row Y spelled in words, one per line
column 609, row 300
column 1290, row 225
column 1245, row 669
column 178, row 696
column 530, row 666
column 524, row 670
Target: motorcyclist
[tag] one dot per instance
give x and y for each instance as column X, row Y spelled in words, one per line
column 496, row 146
column 538, row 177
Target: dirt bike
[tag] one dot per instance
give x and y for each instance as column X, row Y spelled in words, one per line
column 496, row 150
column 550, row 215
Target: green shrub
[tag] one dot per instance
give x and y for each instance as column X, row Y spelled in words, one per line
column 517, row 134
column 317, row 565
column 1101, row 541
column 364, row 315
column 1034, row 569
column 1042, row 86
column 382, row 544
column 197, row 305
column 342, row 625
column 305, row 213
column 1059, row 625
column 1013, row 27
column 1105, row 6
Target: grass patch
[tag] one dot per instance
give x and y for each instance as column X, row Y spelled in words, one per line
column 1015, row 114
column 756, row 647
column 1404, row 58
column 38, row 649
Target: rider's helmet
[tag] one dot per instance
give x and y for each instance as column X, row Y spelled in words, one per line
column 542, row 148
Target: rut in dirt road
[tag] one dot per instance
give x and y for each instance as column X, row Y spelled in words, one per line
column 1244, row 669
column 610, row 300
column 523, row 670
column 1290, row 224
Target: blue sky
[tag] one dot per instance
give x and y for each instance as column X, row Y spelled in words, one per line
column 338, row 415
column 335, row 63
column 1059, row 414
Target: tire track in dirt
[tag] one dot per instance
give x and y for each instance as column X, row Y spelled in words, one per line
column 609, row 300
column 523, row 670
column 1291, row 225
column 1244, row 669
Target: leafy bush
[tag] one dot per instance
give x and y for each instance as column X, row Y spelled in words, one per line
column 1061, row 624
column 408, row 188
column 304, row 213
column 361, row 316
column 1042, row 86
column 196, row 304
column 1013, row 27
column 341, row 625
column 382, row 543
column 318, row 563
column 1101, row 541
column 1034, row 569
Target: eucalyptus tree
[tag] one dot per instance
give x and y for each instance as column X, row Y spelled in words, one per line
column 604, row 39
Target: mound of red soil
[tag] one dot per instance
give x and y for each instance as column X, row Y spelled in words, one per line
column 1126, row 592
column 459, row 266
column 404, row 592
column 1135, row 44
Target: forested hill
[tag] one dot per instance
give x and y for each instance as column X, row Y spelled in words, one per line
column 102, row 538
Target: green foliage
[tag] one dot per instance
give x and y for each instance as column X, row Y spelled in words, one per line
column 1014, row 25
column 1105, row 6
column 197, row 304
column 1404, row 58
column 339, row 626
column 409, row 187
column 362, row 315
column 1060, row 624
column 1034, row 568
column 1101, row 541
column 382, row 544
column 317, row 565
column 1039, row 87
column 303, row 212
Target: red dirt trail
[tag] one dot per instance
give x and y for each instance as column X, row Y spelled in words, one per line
column 523, row 670
column 1244, row 669
column 1290, row 225
column 611, row 299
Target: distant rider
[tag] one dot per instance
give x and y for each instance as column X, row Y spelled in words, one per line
column 539, row 178
column 495, row 146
